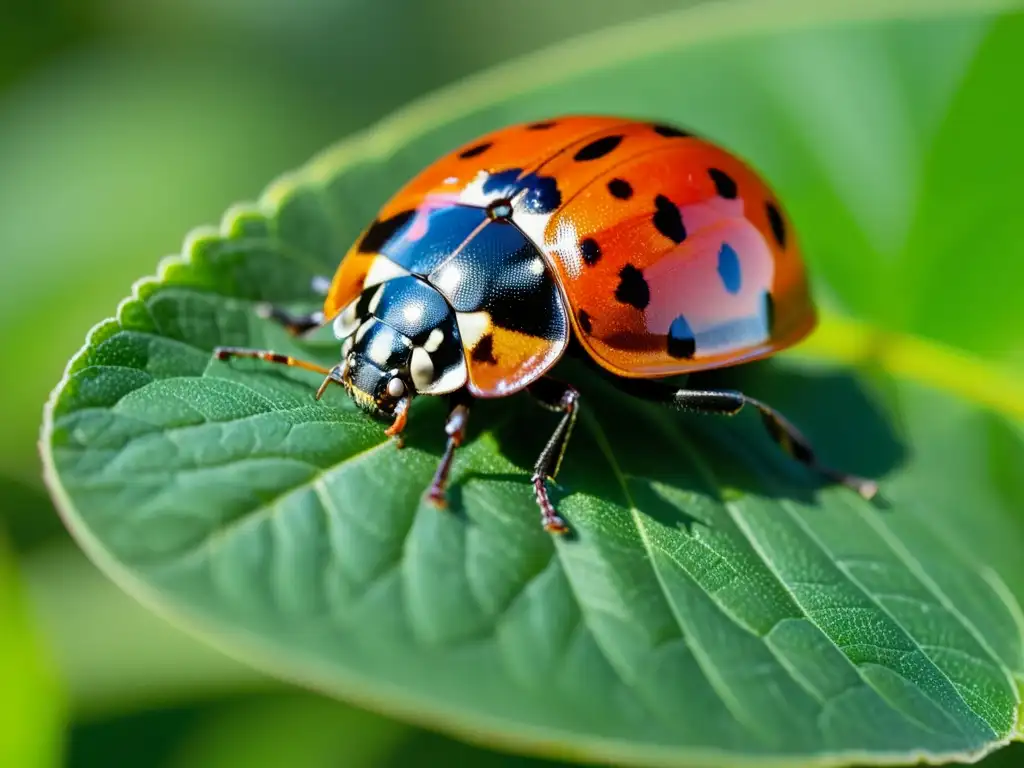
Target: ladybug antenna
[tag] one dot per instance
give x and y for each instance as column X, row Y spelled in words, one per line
column 338, row 374
column 323, row 387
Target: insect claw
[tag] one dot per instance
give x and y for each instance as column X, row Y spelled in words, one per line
column 401, row 419
column 556, row 525
column 868, row 489
column 323, row 387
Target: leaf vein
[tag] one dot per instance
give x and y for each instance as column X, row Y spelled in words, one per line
column 784, row 504
column 914, row 566
column 717, row 684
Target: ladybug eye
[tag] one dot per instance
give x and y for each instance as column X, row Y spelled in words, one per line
column 396, row 387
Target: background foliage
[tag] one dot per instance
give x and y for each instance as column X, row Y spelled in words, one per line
column 103, row 99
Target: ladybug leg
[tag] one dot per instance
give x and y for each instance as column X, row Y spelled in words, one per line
column 321, row 285
column 296, row 325
column 731, row 402
column 563, row 399
column 224, row 353
column 455, row 428
column 781, row 430
column 401, row 419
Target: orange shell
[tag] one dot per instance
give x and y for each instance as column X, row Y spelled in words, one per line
column 670, row 253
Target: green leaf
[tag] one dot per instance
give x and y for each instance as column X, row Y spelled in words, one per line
column 59, row 127
column 31, row 699
column 716, row 603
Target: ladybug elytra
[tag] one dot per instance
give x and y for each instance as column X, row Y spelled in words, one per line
column 653, row 251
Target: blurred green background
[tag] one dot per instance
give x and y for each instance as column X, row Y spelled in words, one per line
column 123, row 124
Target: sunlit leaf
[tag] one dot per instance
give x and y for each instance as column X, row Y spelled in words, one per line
column 716, row 603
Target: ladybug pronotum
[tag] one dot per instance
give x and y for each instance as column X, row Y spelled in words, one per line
column 652, row 251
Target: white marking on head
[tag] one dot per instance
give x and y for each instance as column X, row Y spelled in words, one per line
column 346, row 322
column 375, row 301
column 452, row 378
column 396, row 387
column 473, row 326
column 347, row 346
column 434, row 341
column 379, row 349
column 364, row 328
column 422, row 369
column 381, row 270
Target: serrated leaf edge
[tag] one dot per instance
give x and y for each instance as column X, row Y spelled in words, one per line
column 862, row 345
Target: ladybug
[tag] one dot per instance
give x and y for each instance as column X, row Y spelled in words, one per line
column 651, row 250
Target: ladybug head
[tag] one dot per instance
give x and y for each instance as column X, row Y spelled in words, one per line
column 375, row 391
column 375, row 369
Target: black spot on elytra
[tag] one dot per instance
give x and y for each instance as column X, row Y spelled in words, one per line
column 633, row 288
column 483, row 352
column 725, row 185
column 775, row 220
column 380, row 232
column 591, row 251
column 479, row 149
column 680, row 344
column 769, row 311
column 541, row 126
column 620, row 188
column 670, row 131
column 668, row 220
column 598, row 148
column 505, row 182
column 584, row 320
